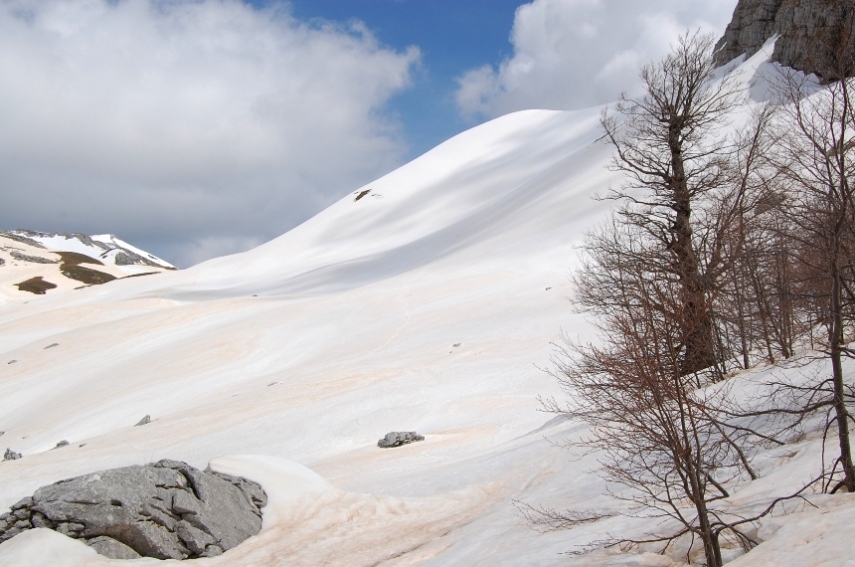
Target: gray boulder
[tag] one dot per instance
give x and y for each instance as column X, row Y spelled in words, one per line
column 166, row 510
column 11, row 455
column 398, row 438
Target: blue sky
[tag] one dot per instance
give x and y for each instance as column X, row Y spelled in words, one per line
column 453, row 36
column 200, row 128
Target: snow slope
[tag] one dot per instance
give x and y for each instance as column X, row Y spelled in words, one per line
column 424, row 301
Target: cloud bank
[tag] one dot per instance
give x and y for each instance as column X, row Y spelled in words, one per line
column 204, row 123
column 579, row 53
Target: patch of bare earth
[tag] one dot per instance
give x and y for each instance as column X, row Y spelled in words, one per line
column 72, row 269
column 35, row 285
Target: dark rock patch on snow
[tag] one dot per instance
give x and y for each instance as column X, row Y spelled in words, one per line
column 398, row 438
column 128, row 258
column 11, row 455
column 34, row 259
column 21, row 238
column 165, row 510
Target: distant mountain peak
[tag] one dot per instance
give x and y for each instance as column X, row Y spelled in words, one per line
column 34, row 262
column 106, row 247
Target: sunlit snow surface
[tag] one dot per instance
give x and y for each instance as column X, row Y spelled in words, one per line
column 428, row 304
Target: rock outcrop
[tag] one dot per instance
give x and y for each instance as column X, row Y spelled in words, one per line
column 166, row 510
column 398, row 438
column 813, row 34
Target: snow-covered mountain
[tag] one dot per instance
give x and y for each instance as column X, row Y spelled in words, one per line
column 427, row 300
column 33, row 262
column 106, row 247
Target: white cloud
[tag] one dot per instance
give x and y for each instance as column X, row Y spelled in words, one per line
column 202, row 122
column 578, row 53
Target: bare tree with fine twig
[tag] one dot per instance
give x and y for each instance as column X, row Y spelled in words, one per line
column 652, row 387
column 815, row 153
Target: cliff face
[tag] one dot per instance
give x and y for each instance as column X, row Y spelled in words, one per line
column 813, row 34
column 753, row 22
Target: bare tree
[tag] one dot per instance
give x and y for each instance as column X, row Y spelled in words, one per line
column 667, row 145
column 675, row 446
column 652, row 278
column 816, row 153
column 756, row 305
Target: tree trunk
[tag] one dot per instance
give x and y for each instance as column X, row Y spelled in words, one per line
column 712, row 551
column 841, row 412
column 696, row 317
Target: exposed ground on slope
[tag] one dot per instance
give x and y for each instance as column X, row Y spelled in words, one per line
column 35, row 285
column 72, row 269
column 75, row 258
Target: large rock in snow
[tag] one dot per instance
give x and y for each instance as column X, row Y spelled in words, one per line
column 166, row 510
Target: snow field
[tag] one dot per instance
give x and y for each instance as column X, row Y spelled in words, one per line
column 428, row 304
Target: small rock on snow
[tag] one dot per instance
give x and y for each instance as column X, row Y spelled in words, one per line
column 398, row 438
column 11, row 455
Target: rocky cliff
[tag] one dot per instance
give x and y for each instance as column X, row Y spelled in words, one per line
column 815, row 36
